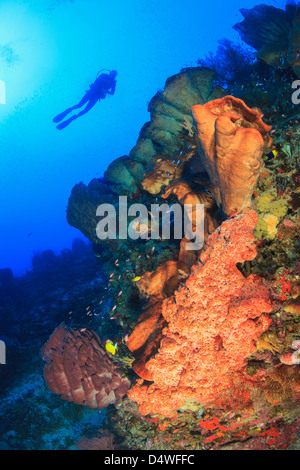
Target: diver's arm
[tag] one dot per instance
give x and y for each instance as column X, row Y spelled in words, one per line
column 113, row 88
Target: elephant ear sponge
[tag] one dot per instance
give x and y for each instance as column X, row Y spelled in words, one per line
column 231, row 139
column 79, row 370
column 214, row 322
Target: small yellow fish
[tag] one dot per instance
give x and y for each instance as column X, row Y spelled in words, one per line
column 137, row 278
column 111, row 347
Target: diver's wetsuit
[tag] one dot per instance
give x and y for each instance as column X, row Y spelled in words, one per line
column 103, row 85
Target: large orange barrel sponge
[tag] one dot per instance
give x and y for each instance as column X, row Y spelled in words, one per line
column 78, row 369
column 231, row 139
column 214, row 321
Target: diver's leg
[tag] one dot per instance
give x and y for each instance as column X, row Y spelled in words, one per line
column 62, row 115
column 84, row 100
column 89, row 106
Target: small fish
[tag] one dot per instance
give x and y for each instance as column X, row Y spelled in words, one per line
column 114, row 308
column 111, row 347
column 120, row 293
column 126, row 338
column 83, row 329
column 137, row 278
column 271, row 155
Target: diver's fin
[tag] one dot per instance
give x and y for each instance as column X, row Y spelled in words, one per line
column 64, row 124
column 61, row 116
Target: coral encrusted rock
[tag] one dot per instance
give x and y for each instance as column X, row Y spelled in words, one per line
column 214, row 321
column 79, row 370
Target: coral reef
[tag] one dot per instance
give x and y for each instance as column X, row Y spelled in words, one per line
column 214, row 358
column 273, row 32
column 231, row 139
column 209, row 337
column 270, row 211
column 124, row 174
column 105, row 441
column 162, row 282
column 145, row 338
column 170, row 121
column 80, row 371
column 231, row 62
column 163, row 171
column 83, row 203
column 188, row 193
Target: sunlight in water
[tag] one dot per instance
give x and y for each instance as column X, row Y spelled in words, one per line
column 27, row 54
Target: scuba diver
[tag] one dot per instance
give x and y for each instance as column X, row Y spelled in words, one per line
column 103, row 85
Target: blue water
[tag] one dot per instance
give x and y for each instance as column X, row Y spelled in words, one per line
column 50, row 51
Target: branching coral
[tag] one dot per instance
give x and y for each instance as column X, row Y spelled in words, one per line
column 214, row 322
column 78, row 369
